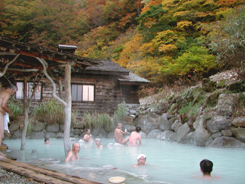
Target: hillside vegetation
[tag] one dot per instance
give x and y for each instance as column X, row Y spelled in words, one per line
column 172, row 42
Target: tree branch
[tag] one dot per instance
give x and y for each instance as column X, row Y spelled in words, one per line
column 43, row 62
column 7, row 65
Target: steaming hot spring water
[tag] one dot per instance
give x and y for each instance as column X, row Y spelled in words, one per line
column 166, row 162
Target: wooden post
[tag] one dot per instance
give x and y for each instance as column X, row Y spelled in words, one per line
column 67, row 123
column 26, row 110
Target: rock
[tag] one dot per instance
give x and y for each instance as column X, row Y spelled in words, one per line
column 198, row 122
column 143, row 134
column 77, row 131
column 154, row 134
column 166, row 134
column 239, row 122
column 164, row 123
column 201, row 136
column 38, row 126
column 129, row 128
column 226, row 105
column 103, row 133
column 128, row 120
column 183, row 131
column 190, row 138
column 110, row 134
column 176, row 125
column 95, row 131
column 60, row 135
column 212, row 137
column 17, row 134
column 14, row 126
column 132, row 111
column 37, row 135
column 217, row 126
column 53, row 127
column 147, row 123
column 212, row 99
column 226, row 133
column 226, row 142
column 51, row 135
column 239, row 133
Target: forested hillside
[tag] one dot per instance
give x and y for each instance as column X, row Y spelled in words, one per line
column 165, row 41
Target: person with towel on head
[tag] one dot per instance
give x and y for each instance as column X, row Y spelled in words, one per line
column 141, row 160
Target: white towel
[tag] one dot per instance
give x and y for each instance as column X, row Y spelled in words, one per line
column 6, row 121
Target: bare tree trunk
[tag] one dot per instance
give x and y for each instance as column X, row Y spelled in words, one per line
column 26, row 109
column 27, row 103
column 67, row 123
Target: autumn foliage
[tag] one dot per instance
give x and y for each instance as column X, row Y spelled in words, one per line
column 161, row 40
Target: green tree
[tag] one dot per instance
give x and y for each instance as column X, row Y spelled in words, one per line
column 228, row 41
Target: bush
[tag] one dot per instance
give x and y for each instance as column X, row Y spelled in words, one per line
column 97, row 120
column 52, row 112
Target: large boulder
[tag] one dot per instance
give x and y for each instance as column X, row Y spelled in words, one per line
column 176, row 125
column 128, row 120
column 226, row 133
column 53, row 127
column 226, row 104
column 129, row 128
column 143, row 134
column 239, row 122
column 239, row 133
column 38, row 135
column 201, row 136
column 61, row 135
column 165, row 123
column 154, row 134
column 147, row 123
column 212, row 137
column 216, row 126
column 110, row 134
column 51, row 135
column 168, row 135
column 226, row 142
column 14, row 126
column 183, row 130
column 17, row 134
column 38, row 126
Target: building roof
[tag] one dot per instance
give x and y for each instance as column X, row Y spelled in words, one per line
column 107, row 67
column 132, row 78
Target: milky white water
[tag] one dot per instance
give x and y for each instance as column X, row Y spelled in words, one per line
column 167, row 162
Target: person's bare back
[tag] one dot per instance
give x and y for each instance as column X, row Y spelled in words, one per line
column 134, row 137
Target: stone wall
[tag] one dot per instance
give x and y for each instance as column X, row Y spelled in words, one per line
column 218, row 129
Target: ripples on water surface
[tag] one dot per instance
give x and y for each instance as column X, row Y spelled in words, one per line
column 167, row 162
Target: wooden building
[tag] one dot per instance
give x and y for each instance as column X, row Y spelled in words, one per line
column 99, row 86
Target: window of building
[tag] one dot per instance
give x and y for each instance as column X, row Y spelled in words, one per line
column 20, row 95
column 82, row 92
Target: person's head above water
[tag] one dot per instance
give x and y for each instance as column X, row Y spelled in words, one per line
column 46, row 140
column 76, row 147
column 138, row 129
column 141, row 159
column 206, row 167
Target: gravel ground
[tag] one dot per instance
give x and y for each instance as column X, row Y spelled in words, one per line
column 13, row 178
